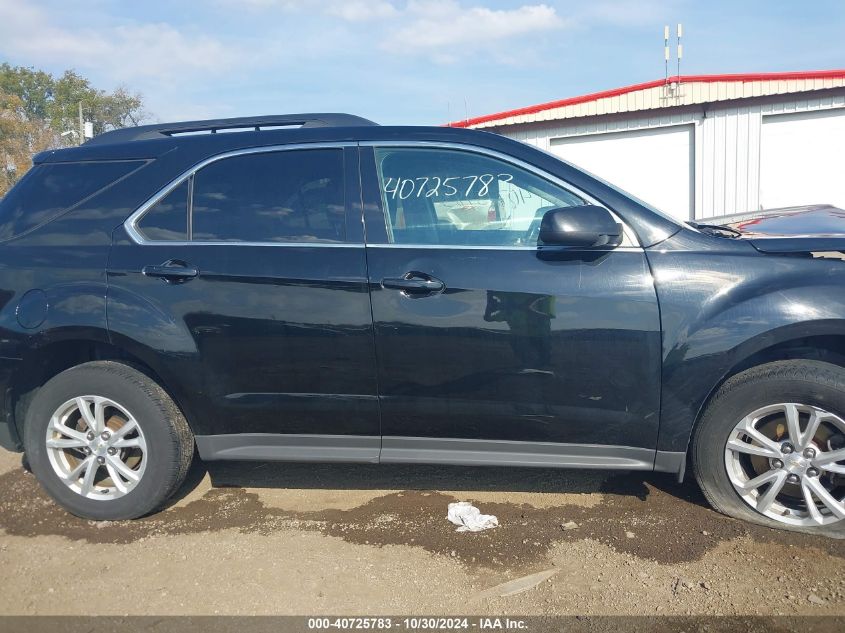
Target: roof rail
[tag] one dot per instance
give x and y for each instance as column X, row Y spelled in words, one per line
column 163, row 130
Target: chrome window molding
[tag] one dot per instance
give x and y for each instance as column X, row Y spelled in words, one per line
column 131, row 223
column 475, row 247
column 190, row 210
column 146, row 242
column 630, row 239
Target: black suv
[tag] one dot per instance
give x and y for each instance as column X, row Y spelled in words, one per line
column 320, row 288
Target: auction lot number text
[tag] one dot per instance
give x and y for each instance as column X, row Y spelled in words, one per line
column 416, row 623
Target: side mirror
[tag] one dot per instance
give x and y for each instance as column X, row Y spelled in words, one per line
column 584, row 226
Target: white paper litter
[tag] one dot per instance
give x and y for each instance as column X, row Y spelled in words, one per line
column 468, row 518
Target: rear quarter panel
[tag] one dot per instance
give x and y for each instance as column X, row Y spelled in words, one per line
column 53, row 282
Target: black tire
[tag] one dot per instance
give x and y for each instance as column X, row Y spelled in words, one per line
column 170, row 444
column 804, row 381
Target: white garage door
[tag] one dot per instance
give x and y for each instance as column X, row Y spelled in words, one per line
column 655, row 165
column 802, row 159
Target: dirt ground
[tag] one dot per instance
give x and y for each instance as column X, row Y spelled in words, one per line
column 251, row 538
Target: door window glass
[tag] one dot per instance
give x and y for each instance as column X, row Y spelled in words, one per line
column 168, row 218
column 287, row 196
column 454, row 197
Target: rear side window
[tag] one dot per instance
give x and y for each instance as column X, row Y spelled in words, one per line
column 287, row 196
column 49, row 189
column 168, row 218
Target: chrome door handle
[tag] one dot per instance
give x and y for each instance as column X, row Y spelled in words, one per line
column 414, row 283
column 172, row 271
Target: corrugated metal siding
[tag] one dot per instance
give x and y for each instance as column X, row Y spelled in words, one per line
column 730, row 161
column 691, row 93
column 730, row 174
column 727, row 138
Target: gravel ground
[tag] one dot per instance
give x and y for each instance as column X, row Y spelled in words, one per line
column 248, row 538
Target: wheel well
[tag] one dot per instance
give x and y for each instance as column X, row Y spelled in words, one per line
column 829, row 349
column 49, row 361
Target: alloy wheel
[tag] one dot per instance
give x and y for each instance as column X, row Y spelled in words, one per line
column 787, row 461
column 96, row 447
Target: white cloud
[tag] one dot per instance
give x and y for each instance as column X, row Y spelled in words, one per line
column 349, row 10
column 124, row 52
column 446, row 31
column 442, row 30
column 258, row 55
column 361, row 10
column 630, row 12
column 287, row 5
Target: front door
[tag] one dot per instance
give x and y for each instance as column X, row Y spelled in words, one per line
column 246, row 284
column 489, row 351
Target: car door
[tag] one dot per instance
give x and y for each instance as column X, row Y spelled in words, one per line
column 245, row 284
column 490, row 351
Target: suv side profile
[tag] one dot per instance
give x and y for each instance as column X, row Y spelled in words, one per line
column 320, row 288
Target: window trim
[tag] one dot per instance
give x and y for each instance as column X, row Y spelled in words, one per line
column 630, row 240
column 135, row 234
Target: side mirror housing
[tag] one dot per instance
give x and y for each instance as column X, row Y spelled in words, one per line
column 583, row 226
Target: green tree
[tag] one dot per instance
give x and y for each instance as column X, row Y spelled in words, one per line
column 33, row 87
column 20, row 138
column 37, row 108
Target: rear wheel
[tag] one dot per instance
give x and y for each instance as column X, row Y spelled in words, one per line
column 770, row 446
column 107, row 442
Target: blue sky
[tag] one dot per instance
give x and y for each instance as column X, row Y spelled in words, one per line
column 403, row 61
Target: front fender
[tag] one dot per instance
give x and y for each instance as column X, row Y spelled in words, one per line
column 723, row 304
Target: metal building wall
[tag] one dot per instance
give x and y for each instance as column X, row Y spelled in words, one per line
column 653, row 95
column 727, row 142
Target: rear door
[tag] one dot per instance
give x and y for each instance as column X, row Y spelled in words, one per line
column 490, row 351
column 245, row 284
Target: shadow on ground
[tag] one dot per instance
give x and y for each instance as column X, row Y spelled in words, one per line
column 648, row 516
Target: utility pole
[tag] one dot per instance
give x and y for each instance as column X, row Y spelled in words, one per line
column 81, row 125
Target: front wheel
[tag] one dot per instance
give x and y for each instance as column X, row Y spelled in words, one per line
column 770, row 447
column 106, row 442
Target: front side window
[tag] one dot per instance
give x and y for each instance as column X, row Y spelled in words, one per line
column 437, row 196
column 286, row 196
